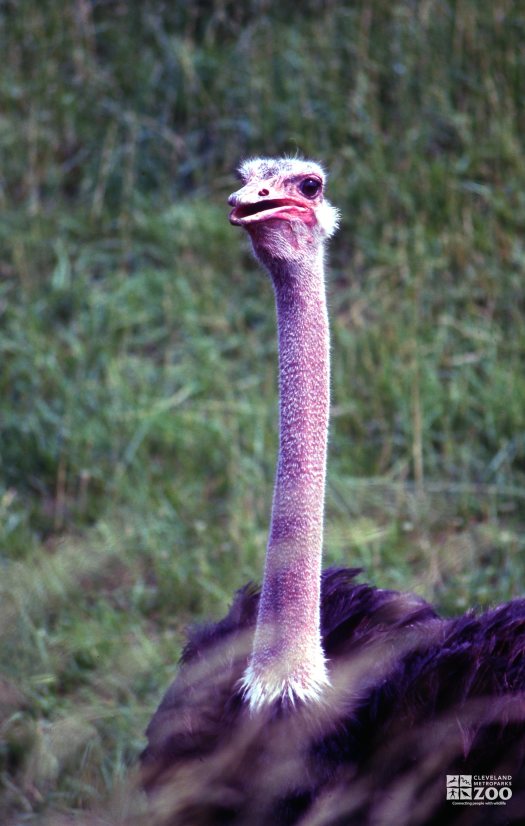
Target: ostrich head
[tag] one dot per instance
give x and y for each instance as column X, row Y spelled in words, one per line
column 282, row 206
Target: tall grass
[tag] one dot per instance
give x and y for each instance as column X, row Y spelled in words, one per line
column 137, row 351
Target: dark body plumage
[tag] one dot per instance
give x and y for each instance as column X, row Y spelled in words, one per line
column 414, row 697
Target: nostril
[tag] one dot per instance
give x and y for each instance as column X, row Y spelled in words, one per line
column 263, row 193
column 232, row 200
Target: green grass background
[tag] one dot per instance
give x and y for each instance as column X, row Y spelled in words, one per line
column 137, row 340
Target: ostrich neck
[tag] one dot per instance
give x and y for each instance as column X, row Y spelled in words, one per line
column 287, row 657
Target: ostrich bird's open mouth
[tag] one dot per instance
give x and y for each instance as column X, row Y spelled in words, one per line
column 264, row 210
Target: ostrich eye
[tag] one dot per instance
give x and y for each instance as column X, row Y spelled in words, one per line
column 310, row 187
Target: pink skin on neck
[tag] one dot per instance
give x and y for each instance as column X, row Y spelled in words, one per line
column 281, row 205
column 287, row 661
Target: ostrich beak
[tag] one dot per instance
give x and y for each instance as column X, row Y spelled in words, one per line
column 258, row 201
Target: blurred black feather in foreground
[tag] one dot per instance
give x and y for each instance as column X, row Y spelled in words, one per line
column 414, row 697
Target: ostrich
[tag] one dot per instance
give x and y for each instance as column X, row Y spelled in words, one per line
column 318, row 699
